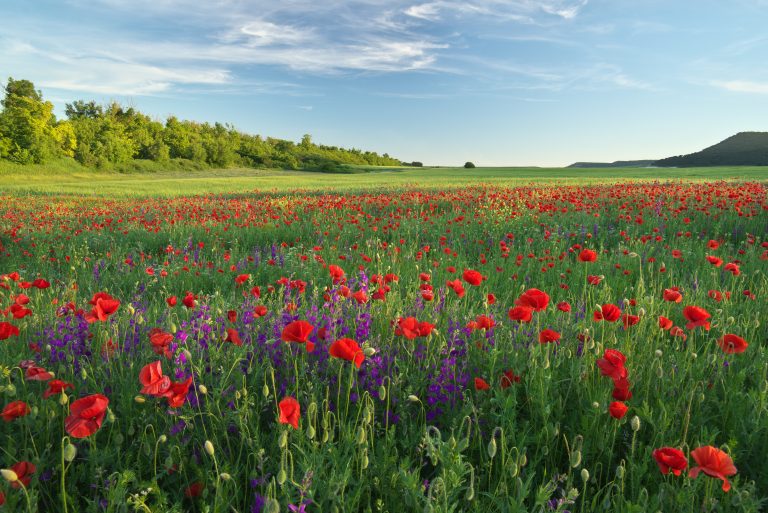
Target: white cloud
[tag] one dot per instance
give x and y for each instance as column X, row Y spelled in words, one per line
column 743, row 86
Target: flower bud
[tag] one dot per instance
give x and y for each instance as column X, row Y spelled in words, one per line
column 413, row 398
column 282, row 440
column 635, row 423
column 63, row 399
column 658, row 353
column 9, row 475
column 584, row 475
column 595, row 405
column 140, row 399
column 272, row 506
column 225, row 477
column 173, row 328
column 187, row 354
column 369, row 351
column 209, row 447
column 492, row 448
column 360, row 437
column 620, row 472
column 70, row 451
column 281, row 476
column 382, row 392
column 162, row 439
column 265, row 390
column 203, row 390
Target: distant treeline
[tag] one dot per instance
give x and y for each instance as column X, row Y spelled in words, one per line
column 742, row 149
column 109, row 135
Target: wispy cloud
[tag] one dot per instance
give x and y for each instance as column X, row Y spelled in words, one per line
column 743, row 86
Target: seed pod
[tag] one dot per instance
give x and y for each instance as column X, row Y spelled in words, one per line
column 209, row 447
column 492, row 448
column 281, row 476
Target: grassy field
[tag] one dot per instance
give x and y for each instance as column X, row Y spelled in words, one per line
column 74, row 179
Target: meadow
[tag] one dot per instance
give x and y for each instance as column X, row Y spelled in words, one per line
column 438, row 339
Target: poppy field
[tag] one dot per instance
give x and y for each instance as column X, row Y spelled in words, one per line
column 490, row 348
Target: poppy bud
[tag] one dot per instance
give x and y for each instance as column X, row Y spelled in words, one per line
column 281, row 476
column 272, row 506
column 203, row 390
column 111, row 417
column 9, row 475
column 187, row 354
column 641, row 312
column 492, row 448
column 140, row 399
column 575, row 459
column 364, row 460
column 633, row 255
column 173, row 328
column 225, row 477
column 595, row 405
column 635, row 423
column 620, row 472
column 83, row 374
column 658, row 353
column 659, row 372
column 694, row 355
column 413, row 398
column 118, row 439
column 131, row 309
column 63, row 399
column 209, row 447
column 369, row 351
column 70, row 451
column 238, row 395
column 360, row 437
column 382, row 392
column 730, row 320
column 311, row 432
column 265, row 390
column 282, row 441
column 162, row 439
column 584, row 475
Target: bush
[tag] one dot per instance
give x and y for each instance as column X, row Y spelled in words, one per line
column 469, row 165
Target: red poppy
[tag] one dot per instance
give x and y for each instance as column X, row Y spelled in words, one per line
column 491, row 298
column 336, row 272
column 673, row 295
column 23, row 471
column 670, row 459
column 733, row 268
column 407, row 327
column 547, row 336
column 717, row 262
column 731, row 344
column 520, row 313
column 564, row 306
column 608, row 312
column 260, row 311
column 35, row 373
column 508, row 378
column 172, row 301
column 360, row 297
column 2, row 498
column 621, row 391
column 151, row 376
column 177, row 393
column 290, row 411
column 56, row 386
column 233, row 336
column 299, row 331
column 8, row 330
column 696, row 316
column 587, row 255
column 533, row 298
column 714, row 463
column 241, row 278
column 14, row 410
column 617, row 409
column 104, row 306
column 86, row 415
column 194, row 490
column 457, row 287
column 612, row 364
column 629, row 320
column 594, row 280
column 189, row 300
column 232, row 315
column 473, row 277
column 481, row 384
column 665, row 323
column 677, row 331
column 347, row 349
column 41, row 283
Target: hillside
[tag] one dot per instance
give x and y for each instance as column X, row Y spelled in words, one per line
column 742, row 149
column 618, row 163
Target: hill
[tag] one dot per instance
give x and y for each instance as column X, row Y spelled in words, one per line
column 618, row 163
column 742, row 149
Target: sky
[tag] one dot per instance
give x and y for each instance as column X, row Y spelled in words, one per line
column 515, row 82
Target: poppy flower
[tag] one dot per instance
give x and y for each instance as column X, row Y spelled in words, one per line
column 491, row 298
column 23, row 471
column 533, row 298
column 673, row 295
column 35, row 373
column 547, row 336
column 260, row 311
column 104, row 306
column 151, row 376
column 290, row 411
column 731, row 344
column 612, row 364
column 677, row 331
column 629, row 320
column 457, row 287
column 233, row 336
column 714, row 463
column 520, row 313
column 347, row 349
column 410, row 328
column 86, row 415
column 15, row 410
column 8, row 330
column 41, row 283
column 241, row 278
column 587, row 255
column 172, row 301
column 508, row 378
column 360, row 297
column 733, row 268
column 670, row 459
column 336, row 272
column 717, row 262
column 189, row 300
column 299, row 331
column 232, row 315
column 483, row 322
column 665, row 323
column 608, row 312
column 161, row 342
column 56, row 386
column 481, row 384
column 594, row 280
column 617, row 409
column 564, row 306
column 696, row 316
column 473, row 277
column 194, row 490
column 621, row 391
column 177, row 393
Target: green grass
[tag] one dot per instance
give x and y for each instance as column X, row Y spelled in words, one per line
column 68, row 177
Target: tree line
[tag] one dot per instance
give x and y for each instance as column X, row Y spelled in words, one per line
column 106, row 135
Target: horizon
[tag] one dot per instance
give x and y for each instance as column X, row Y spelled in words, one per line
column 498, row 83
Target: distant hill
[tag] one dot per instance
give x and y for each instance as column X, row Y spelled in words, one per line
column 742, row 149
column 618, row 163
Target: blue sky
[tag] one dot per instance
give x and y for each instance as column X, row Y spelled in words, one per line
column 516, row 82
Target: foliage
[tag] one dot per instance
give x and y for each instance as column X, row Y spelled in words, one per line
column 469, row 165
column 742, row 149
